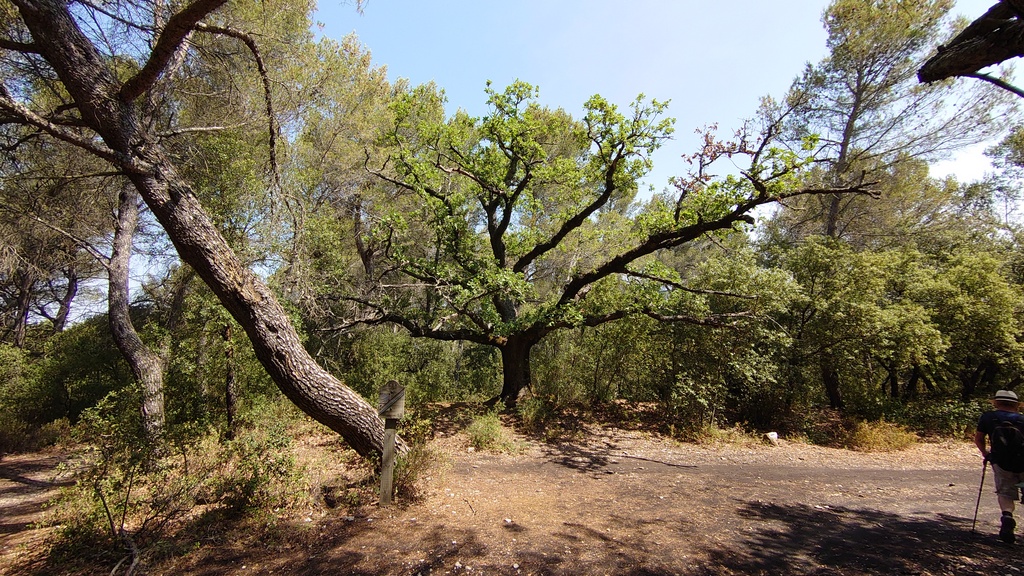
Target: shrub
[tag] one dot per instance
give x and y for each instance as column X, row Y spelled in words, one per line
column 258, row 469
column 824, row 427
column 486, row 432
column 132, row 495
column 16, row 400
column 414, row 467
column 536, row 413
column 880, row 436
column 712, row 434
column 949, row 418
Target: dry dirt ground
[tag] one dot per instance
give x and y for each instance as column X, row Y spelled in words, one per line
column 607, row 501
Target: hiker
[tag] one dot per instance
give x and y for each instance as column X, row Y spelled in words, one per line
column 1003, row 428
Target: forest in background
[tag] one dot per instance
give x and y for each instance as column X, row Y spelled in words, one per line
column 510, row 258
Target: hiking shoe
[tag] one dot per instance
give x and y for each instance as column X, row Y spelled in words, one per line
column 1006, row 531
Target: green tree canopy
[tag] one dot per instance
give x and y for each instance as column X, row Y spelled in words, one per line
column 505, row 228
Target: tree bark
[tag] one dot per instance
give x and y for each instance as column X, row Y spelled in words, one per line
column 135, row 150
column 515, row 370
column 146, row 365
column 60, row 321
column 970, row 382
column 23, row 303
column 230, row 394
column 996, row 36
column 830, row 378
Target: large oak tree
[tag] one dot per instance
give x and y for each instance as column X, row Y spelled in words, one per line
column 503, row 229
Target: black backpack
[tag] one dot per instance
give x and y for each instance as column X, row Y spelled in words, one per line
column 1008, row 444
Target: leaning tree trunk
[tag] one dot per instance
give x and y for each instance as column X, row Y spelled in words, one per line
column 135, row 150
column 146, row 365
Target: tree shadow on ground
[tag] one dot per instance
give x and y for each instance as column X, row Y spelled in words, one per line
column 798, row 539
column 30, row 483
column 19, row 471
column 597, row 459
column 777, row 539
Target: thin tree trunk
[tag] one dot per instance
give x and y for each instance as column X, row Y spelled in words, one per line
column 230, row 394
column 969, row 382
column 830, row 378
column 60, row 321
column 22, row 306
column 146, row 366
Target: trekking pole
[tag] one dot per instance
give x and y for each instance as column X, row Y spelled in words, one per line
column 984, row 466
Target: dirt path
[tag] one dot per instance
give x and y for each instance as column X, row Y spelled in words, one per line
column 27, row 482
column 626, row 503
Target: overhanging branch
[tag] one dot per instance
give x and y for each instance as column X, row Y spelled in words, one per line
column 22, row 47
column 679, row 286
column 380, row 315
column 996, row 36
column 82, row 243
column 11, row 106
column 678, row 236
column 174, row 33
column 261, row 67
column 713, row 321
column 996, row 81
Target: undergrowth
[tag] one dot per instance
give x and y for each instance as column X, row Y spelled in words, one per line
column 486, row 432
column 880, row 436
column 134, row 505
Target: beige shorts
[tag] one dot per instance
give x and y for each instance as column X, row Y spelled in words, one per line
column 1006, row 482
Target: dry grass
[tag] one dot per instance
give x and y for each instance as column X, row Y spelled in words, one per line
column 880, row 436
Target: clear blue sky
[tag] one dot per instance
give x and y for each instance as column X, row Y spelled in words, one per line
column 713, row 60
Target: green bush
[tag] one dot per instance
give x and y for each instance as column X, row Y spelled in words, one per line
column 823, row 427
column 536, row 414
column 80, row 367
column 413, row 467
column 431, row 370
column 17, row 382
column 132, row 495
column 486, row 432
column 950, row 418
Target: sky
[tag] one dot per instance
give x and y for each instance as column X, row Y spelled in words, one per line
column 712, row 60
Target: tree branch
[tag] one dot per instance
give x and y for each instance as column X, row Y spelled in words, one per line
column 22, row 47
column 250, row 43
column 576, row 221
column 29, row 117
column 679, row 236
column 173, row 34
column 713, row 321
column 996, row 81
column 199, row 129
column 77, row 240
column 994, row 37
column 414, row 328
column 683, row 288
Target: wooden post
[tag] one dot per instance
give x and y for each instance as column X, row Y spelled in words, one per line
column 392, row 408
column 387, row 466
